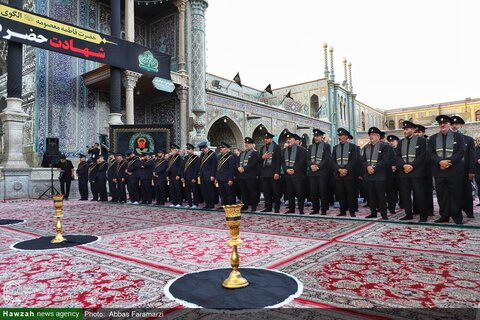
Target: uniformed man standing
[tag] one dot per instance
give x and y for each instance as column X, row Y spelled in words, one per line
column 206, row 176
column 82, row 175
column 146, row 177
column 133, row 177
column 101, row 180
column 428, row 192
column 92, row 178
column 270, row 173
column 318, row 171
column 190, row 176
column 477, row 167
column 160, row 177
column 120, row 178
column 411, row 169
column 225, row 173
column 248, row 172
column 111, row 176
column 175, row 171
column 66, row 175
column 94, row 152
column 376, row 160
column 447, row 149
column 344, row 162
column 392, row 176
column 294, row 163
column 469, row 164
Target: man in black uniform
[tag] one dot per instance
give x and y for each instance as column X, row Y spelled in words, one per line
column 270, row 173
column 392, row 176
column 248, row 171
column 477, row 166
column 160, row 177
column 428, row 192
column 376, row 160
column 146, row 177
column 66, row 175
column 133, row 177
column 175, row 171
column 190, row 176
column 82, row 174
column 344, row 162
column 111, row 175
column 206, row 176
column 318, row 171
column 447, row 149
column 120, row 178
column 411, row 168
column 101, row 180
column 94, row 152
column 226, row 167
column 294, row 163
column 92, row 178
column 469, row 163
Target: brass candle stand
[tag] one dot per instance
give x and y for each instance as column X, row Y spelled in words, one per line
column 58, row 204
column 233, row 219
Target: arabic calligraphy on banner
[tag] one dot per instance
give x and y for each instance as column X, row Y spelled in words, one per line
column 38, row 31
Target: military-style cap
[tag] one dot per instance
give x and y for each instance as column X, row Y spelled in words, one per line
column 297, row 137
column 288, row 134
column 458, row 120
column 190, row 146
column 111, row 152
column 318, row 132
column 443, row 119
column 225, row 145
column 382, row 134
column 161, row 150
column 267, row 134
column 249, row 140
column 419, row 128
column 392, row 137
column 129, row 152
column 174, row 146
column 81, row 155
column 119, row 154
column 202, row 144
column 374, row 130
column 342, row 132
column 149, row 153
column 408, row 124
column 350, row 137
column 62, row 156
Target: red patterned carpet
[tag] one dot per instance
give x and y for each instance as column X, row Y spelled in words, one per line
column 350, row 267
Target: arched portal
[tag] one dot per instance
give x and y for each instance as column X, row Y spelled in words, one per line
column 257, row 136
column 226, row 130
column 282, row 138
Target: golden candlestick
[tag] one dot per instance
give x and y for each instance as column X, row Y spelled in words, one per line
column 58, row 204
column 233, row 218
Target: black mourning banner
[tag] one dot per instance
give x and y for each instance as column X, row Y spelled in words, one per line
column 49, row 34
column 140, row 138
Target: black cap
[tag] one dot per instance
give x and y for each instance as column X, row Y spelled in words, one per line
column 149, row 153
column 392, row 137
column 119, row 154
column 225, row 145
column 458, row 120
column 161, row 150
column 288, row 134
column 382, row 134
column 419, row 128
column 129, row 152
column 443, row 118
column 350, row 137
column 173, row 145
column 408, row 124
column 111, row 152
column 318, row 132
column 297, row 137
column 190, row 146
column 62, row 156
column 202, row 145
column 342, row 132
column 267, row 134
column 374, row 130
column 249, row 140
column 81, row 155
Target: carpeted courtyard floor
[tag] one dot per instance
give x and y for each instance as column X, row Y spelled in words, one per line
column 349, row 267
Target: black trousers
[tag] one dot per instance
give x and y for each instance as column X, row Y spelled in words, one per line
column 250, row 191
column 294, row 188
column 176, row 192
column 112, row 190
column 319, row 193
column 160, row 190
column 376, row 196
column 120, row 194
column 146, row 189
column 94, row 190
column 272, row 193
column 346, row 193
column 477, row 180
column 65, row 187
column 133, row 189
column 102, row 189
column 415, row 186
column 428, row 192
column 392, row 193
column 208, row 192
column 83, row 188
column 467, row 203
column 227, row 194
column 450, row 196
column 190, row 188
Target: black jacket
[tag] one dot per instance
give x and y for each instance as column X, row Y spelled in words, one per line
column 419, row 164
column 324, row 165
column 300, row 166
column 352, row 165
column 384, row 162
column 269, row 171
column 457, row 168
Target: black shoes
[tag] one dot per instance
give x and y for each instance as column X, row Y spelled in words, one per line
column 267, row 210
column 407, row 218
column 423, row 219
column 290, row 211
column 313, row 212
column 341, row 214
column 442, row 220
column 372, row 215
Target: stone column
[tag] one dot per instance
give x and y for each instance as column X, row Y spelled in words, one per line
column 130, row 79
column 181, row 36
column 182, row 93
column 115, row 73
column 129, row 21
column 198, row 69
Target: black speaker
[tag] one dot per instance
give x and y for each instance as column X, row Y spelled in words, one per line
column 52, row 147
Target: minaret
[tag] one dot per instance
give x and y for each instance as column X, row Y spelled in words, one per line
column 325, row 53
column 350, row 76
column 345, row 73
column 332, row 74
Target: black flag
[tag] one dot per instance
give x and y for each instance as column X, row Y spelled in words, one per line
column 269, row 89
column 287, row 96
column 237, row 79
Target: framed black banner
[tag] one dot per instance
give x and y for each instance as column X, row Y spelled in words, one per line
column 53, row 35
column 140, row 138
